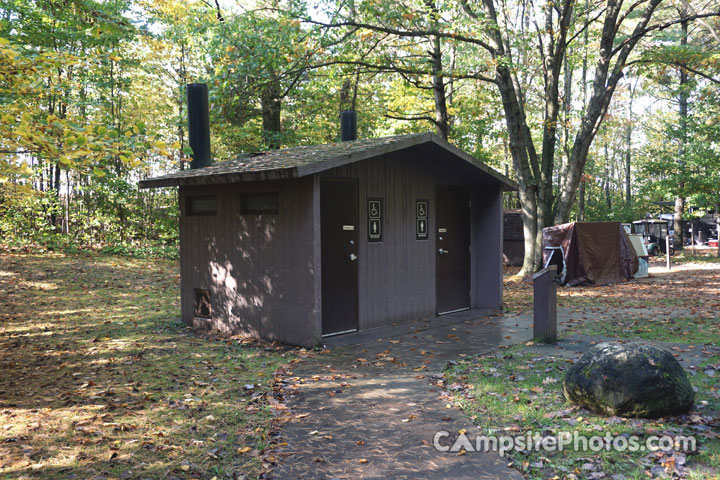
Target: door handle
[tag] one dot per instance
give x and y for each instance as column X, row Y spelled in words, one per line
column 441, row 251
column 353, row 257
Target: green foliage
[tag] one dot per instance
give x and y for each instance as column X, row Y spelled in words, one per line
column 65, row 82
column 92, row 97
column 694, row 174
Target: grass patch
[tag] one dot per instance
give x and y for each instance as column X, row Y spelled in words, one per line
column 686, row 256
column 514, row 392
column 691, row 330
column 100, row 379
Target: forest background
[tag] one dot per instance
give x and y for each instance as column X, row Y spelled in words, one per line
column 597, row 108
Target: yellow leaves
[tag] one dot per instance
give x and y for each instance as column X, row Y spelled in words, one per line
column 244, row 450
column 128, row 133
column 10, row 53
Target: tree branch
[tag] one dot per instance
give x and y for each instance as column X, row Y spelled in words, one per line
column 402, row 33
column 411, row 118
column 401, row 70
column 585, row 27
column 661, row 26
column 697, row 72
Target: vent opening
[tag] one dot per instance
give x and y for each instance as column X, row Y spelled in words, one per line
column 203, row 305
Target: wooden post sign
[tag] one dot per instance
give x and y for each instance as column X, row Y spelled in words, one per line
column 421, row 210
column 375, row 206
column 545, row 305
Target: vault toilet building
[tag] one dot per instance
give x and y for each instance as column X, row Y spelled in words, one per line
column 297, row 244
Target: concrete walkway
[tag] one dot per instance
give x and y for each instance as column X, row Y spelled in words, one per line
column 369, row 409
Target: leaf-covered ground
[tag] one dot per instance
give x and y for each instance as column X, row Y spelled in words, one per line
column 680, row 305
column 518, row 390
column 101, row 380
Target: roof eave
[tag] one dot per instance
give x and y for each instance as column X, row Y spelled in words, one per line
column 219, row 178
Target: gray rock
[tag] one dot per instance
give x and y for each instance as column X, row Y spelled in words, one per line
column 630, row 380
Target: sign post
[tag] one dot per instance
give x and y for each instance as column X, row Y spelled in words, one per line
column 692, row 238
column 545, row 305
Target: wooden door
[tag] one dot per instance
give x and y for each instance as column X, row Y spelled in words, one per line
column 339, row 239
column 453, row 249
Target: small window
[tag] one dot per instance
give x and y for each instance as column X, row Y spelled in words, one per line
column 206, row 205
column 260, row 203
column 203, row 305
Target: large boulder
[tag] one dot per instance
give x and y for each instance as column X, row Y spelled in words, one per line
column 631, row 380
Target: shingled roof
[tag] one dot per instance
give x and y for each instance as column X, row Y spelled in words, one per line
column 301, row 161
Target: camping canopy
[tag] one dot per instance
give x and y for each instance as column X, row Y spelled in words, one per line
column 591, row 253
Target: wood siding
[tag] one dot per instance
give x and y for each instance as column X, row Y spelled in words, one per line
column 513, row 237
column 260, row 269
column 397, row 275
column 487, row 248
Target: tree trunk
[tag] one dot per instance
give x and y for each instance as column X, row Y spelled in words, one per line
column 54, row 187
column 271, row 104
column 683, row 107
column 628, row 145
column 519, row 152
column 606, row 180
column 528, row 202
column 66, row 226
column 442, row 119
column 604, row 83
column 182, row 73
column 535, row 171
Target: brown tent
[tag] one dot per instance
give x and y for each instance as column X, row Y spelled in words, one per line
column 591, row 253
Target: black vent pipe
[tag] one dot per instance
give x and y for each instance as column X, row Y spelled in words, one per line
column 198, row 124
column 348, row 125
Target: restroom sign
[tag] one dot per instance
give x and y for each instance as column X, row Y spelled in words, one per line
column 375, row 207
column 421, row 211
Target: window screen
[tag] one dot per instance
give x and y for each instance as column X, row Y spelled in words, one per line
column 259, row 203
column 201, row 206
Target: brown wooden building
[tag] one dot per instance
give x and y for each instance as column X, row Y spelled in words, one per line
column 513, row 238
column 296, row 244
